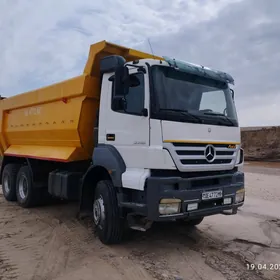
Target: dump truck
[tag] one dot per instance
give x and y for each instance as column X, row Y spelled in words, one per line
column 135, row 139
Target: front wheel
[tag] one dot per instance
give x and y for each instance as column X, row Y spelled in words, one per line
column 106, row 213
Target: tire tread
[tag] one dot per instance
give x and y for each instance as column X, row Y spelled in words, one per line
column 114, row 228
column 32, row 200
column 12, row 169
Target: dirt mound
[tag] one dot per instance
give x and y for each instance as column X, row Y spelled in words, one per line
column 261, row 143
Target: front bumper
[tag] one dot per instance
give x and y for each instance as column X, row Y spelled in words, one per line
column 189, row 190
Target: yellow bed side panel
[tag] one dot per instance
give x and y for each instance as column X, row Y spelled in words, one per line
column 52, row 119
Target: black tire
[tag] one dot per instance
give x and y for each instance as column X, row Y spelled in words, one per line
column 192, row 222
column 109, row 225
column 26, row 194
column 9, row 179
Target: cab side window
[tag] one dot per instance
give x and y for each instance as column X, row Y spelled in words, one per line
column 135, row 97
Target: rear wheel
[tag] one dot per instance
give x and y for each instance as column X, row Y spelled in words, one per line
column 25, row 192
column 106, row 214
column 9, row 177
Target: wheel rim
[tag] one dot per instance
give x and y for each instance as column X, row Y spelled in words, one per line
column 22, row 187
column 6, row 184
column 98, row 211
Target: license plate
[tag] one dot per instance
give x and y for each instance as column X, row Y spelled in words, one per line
column 212, row 195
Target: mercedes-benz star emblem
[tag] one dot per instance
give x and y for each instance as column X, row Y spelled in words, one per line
column 209, row 129
column 210, row 153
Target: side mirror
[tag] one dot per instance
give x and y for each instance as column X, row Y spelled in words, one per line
column 121, row 81
column 119, row 103
column 111, row 63
column 133, row 81
column 232, row 93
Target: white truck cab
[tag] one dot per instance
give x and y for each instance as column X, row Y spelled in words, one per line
column 173, row 129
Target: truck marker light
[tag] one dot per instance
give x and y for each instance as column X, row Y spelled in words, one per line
column 227, row 200
column 192, row 206
column 64, row 100
column 231, row 146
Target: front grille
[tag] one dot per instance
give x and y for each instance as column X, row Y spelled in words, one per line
column 204, row 161
column 195, row 154
column 224, row 153
column 201, row 153
column 199, row 145
column 190, row 153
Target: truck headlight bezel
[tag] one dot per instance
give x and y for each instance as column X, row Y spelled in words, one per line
column 169, row 206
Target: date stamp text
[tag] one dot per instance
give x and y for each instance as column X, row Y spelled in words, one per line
column 263, row 266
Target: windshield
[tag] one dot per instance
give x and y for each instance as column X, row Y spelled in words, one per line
column 180, row 96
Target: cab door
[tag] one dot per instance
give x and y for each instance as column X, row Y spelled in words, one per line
column 128, row 130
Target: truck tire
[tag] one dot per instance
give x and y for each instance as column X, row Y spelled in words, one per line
column 106, row 214
column 9, row 179
column 26, row 194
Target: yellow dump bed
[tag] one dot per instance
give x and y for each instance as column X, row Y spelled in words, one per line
column 56, row 122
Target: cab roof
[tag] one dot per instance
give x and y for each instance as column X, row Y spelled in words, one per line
column 103, row 48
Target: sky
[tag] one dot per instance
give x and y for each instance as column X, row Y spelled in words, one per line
column 46, row 41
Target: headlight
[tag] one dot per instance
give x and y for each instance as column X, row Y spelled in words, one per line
column 169, row 206
column 240, row 196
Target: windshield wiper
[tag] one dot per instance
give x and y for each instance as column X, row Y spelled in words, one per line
column 220, row 114
column 183, row 112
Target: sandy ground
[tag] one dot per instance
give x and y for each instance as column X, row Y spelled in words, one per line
column 49, row 243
